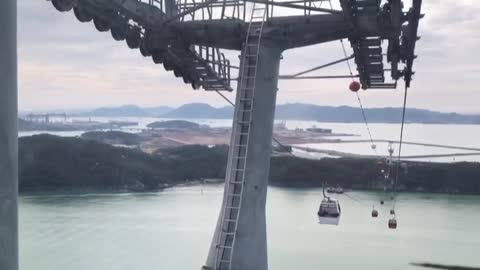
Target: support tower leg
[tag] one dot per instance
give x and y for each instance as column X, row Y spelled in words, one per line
column 248, row 250
column 8, row 136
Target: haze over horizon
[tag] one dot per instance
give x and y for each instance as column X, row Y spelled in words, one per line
column 216, row 106
column 64, row 64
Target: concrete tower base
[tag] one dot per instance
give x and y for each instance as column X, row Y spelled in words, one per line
column 250, row 248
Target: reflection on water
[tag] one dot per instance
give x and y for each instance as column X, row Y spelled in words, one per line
column 172, row 230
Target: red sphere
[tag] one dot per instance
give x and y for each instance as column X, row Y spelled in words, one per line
column 354, row 86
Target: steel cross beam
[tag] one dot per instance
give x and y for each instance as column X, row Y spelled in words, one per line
column 318, row 77
column 317, row 68
column 189, row 11
column 286, row 32
column 291, row 5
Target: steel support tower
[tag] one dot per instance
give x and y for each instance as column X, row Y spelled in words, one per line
column 187, row 36
column 8, row 136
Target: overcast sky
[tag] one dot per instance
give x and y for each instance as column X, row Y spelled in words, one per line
column 65, row 64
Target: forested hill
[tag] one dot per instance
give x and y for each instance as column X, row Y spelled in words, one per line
column 49, row 163
column 295, row 111
column 375, row 115
column 343, row 114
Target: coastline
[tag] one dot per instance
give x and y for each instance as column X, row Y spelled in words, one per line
column 86, row 191
column 49, row 163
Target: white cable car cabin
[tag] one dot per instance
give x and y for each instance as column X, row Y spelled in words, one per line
column 329, row 212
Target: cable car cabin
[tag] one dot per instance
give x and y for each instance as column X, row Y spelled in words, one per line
column 374, row 213
column 392, row 223
column 329, row 212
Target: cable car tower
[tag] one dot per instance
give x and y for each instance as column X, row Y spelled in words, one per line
column 189, row 36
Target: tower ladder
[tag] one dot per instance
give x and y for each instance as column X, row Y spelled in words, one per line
column 244, row 112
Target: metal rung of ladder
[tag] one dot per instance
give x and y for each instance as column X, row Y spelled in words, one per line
column 234, row 195
column 237, row 182
column 230, row 220
column 229, row 247
column 240, row 169
column 248, row 107
column 245, row 126
column 245, row 80
column 233, row 207
column 246, row 100
column 240, row 158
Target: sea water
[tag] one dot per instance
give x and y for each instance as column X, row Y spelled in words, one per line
column 172, row 229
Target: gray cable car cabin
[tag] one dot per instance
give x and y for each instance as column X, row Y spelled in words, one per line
column 329, row 211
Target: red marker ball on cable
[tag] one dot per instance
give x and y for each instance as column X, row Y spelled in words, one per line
column 354, row 86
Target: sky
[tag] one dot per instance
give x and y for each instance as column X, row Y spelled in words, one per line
column 65, row 65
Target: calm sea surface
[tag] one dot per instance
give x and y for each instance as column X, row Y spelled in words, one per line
column 172, row 230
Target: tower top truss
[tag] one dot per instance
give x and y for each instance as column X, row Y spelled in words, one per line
column 189, row 36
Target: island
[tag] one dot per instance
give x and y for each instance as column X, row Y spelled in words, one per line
column 49, row 163
column 113, row 137
column 176, row 125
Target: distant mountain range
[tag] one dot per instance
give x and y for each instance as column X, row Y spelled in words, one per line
column 200, row 110
column 128, row 111
column 294, row 111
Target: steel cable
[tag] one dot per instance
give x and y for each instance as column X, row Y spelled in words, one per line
column 358, row 96
column 397, row 176
column 273, row 138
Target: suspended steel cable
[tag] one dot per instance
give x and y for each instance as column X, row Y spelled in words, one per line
column 358, row 96
column 356, row 200
column 397, row 176
column 273, row 138
column 366, row 123
column 345, row 54
column 224, row 97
